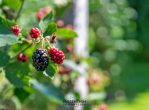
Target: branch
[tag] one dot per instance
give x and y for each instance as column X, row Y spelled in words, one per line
column 18, row 14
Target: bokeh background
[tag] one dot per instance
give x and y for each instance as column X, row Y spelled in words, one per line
column 115, row 69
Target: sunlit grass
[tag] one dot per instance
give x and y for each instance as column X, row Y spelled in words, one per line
column 141, row 102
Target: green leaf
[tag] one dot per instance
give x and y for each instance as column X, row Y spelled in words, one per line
column 17, row 47
column 13, row 4
column 52, row 27
column 66, row 33
column 51, row 92
column 21, row 93
column 5, row 26
column 18, row 73
column 44, row 23
column 51, row 69
column 7, row 39
column 4, row 58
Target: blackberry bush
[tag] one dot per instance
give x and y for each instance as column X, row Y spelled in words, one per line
column 31, row 47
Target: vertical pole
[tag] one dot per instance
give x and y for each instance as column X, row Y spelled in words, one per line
column 81, row 27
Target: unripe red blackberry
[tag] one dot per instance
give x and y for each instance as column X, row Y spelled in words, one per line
column 35, row 32
column 63, row 70
column 60, row 23
column 57, row 56
column 69, row 26
column 103, row 107
column 22, row 57
column 69, row 48
column 42, row 12
column 40, row 15
column 15, row 29
column 40, row 59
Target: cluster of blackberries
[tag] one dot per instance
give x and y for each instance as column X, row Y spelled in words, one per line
column 34, row 32
column 40, row 56
column 41, row 60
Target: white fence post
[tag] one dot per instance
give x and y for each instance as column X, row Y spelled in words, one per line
column 81, row 27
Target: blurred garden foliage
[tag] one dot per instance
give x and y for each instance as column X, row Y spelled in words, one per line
column 122, row 42
column 122, row 46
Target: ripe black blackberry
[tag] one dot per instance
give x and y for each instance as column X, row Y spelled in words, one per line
column 40, row 59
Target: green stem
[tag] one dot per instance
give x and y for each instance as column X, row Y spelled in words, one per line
column 13, row 58
column 18, row 14
column 26, row 48
column 42, row 43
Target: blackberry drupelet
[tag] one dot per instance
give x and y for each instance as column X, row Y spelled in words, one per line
column 40, row 59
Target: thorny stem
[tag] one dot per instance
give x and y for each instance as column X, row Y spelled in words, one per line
column 18, row 14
